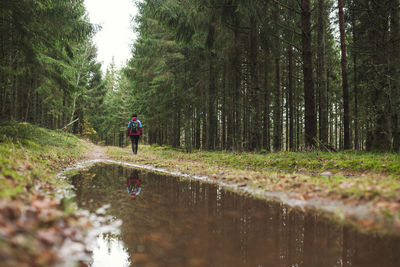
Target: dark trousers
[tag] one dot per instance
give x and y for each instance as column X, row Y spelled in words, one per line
column 135, row 143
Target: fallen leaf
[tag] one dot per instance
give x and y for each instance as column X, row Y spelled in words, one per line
column 7, row 230
column 366, row 223
column 49, row 236
column 45, row 258
column 301, row 197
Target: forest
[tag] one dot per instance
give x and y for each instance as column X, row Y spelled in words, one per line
column 218, row 85
column 262, row 75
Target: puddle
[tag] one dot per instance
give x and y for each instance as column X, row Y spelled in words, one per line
column 168, row 221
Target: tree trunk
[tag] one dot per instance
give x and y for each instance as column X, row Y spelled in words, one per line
column 73, row 107
column 346, row 110
column 212, row 121
column 266, row 117
column 395, row 74
column 290, row 97
column 336, row 126
column 237, row 82
column 230, row 110
column 356, row 133
column 204, row 122
column 223, row 110
column 245, row 105
column 277, row 137
column 197, row 124
column 254, row 72
column 309, row 94
column 380, row 92
column 277, row 109
column 286, row 119
column 355, row 74
column 321, row 73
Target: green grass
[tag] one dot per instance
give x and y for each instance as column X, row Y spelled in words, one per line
column 341, row 162
column 30, row 154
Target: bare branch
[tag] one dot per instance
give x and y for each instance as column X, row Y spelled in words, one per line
column 65, row 128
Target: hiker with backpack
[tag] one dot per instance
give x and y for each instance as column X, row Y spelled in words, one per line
column 134, row 131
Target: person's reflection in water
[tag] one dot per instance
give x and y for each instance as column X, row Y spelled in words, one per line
column 133, row 184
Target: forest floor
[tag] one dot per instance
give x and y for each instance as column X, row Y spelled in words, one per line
column 40, row 226
column 349, row 179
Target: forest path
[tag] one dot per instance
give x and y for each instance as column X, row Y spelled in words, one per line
column 96, row 152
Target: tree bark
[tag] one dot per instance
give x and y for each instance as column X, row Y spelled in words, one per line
column 266, row 115
column 321, row 73
column 395, row 73
column 355, row 80
column 290, row 93
column 223, row 110
column 212, row 121
column 277, row 138
column 237, row 82
column 346, row 110
column 309, row 94
column 380, row 92
column 254, row 72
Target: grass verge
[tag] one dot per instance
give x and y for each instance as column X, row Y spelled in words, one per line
column 30, row 155
column 346, row 163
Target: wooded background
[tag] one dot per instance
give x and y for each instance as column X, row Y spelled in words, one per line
column 262, row 75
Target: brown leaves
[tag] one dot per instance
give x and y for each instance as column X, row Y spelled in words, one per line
column 10, row 211
column 393, row 207
column 43, row 203
column 7, row 229
column 366, row 223
column 301, row 197
column 35, row 230
column 49, row 236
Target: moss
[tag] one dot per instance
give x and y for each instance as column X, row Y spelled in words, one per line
column 31, row 154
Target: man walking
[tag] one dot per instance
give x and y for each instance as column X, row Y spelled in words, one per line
column 134, row 131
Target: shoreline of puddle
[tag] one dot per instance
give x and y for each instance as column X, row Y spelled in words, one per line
column 335, row 210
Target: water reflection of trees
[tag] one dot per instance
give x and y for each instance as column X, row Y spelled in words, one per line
column 185, row 222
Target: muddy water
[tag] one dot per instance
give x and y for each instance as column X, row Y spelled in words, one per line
column 186, row 223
